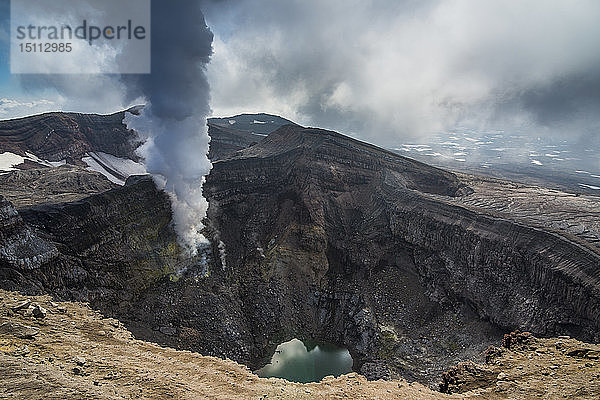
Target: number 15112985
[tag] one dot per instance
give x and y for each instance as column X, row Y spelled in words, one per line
column 45, row 47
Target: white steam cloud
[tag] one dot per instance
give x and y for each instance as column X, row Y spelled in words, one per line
column 175, row 154
column 174, row 119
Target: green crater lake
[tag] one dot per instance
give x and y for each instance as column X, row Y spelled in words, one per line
column 307, row 362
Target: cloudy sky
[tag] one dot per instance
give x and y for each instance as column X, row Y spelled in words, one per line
column 380, row 70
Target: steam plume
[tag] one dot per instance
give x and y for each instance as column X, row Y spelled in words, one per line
column 177, row 104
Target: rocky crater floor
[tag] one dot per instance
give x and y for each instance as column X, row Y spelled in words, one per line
column 66, row 350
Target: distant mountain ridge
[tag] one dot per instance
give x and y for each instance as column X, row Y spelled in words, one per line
column 257, row 123
column 229, row 134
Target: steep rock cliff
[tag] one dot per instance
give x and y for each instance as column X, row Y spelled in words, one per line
column 339, row 240
column 21, row 249
column 106, row 248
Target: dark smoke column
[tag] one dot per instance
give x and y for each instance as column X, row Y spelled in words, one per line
column 174, row 119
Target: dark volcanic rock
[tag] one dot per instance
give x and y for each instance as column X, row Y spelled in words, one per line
column 336, row 156
column 262, row 124
column 225, row 141
column 515, row 276
column 59, row 136
column 331, row 238
column 107, row 248
column 306, row 227
column 20, row 247
column 227, row 135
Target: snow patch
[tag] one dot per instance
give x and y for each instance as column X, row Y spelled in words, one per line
column 589, row 186
column 9, row 160
column 415, row 147
column 93, row 165
column 536, row 162
column 124, row 166
column 34, row 158
column 114, row 168
column 258, row 122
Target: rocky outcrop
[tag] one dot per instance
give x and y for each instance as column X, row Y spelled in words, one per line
column 20, row 248
column 514, row 276
column 522, row 355
column 106, row 248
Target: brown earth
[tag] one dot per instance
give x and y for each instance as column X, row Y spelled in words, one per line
column 75, row 353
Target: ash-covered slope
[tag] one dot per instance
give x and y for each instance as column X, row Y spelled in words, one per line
column 329, row 150
column 35, row 186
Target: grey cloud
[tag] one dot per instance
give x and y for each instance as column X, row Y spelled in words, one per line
column 388, row 69
column 574, row 96
column 77, row 92
column 181, row 47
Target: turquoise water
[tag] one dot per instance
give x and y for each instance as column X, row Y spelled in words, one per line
column 307, row 362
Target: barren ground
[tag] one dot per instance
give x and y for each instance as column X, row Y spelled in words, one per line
column 78, row 354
